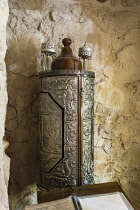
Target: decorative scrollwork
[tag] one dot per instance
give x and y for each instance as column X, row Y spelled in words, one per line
column 64, row 172
column 88, row 138
column 59, row 131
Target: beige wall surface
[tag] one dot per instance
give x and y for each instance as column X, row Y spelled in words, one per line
column 112, row 29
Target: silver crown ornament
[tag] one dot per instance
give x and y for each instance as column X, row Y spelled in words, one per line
column 48, row 50
column 85, row 53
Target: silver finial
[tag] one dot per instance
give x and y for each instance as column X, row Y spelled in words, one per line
column 85, row 52
column 48, row 50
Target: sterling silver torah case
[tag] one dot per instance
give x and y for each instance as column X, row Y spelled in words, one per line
column 66, row 127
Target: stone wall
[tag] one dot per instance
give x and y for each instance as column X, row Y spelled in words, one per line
column 4, row 160
column 112, row 29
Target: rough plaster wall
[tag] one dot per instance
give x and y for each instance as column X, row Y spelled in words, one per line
column 4, row 160
column 112, row 29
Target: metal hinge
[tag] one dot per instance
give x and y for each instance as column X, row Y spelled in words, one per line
column 80, row 168
column 81, row 93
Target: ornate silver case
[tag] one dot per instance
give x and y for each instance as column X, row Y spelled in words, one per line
column 66, row 128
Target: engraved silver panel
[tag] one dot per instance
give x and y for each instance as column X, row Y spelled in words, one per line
column 51, row 141
column 65, row 173
column 88, row 138
column 63, row 90
column 60, row 123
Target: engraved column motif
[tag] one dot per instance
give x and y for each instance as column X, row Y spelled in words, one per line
column 87, row 134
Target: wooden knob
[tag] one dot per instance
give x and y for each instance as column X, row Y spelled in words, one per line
column 66, row 42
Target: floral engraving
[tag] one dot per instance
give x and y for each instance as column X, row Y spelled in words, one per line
column 88, row 138
column 64, row 173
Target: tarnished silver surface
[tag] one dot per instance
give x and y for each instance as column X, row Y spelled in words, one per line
column 66, row 72
column 88, row 135
column 59, row 129
column 51, row 132
column 65, row 174
column 63, row 161
column 48, row 49
column 85, row 52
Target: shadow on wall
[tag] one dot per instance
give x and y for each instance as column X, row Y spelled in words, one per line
column 22, row 129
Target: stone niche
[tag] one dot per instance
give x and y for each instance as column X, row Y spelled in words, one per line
column 4, row 160
column 112, row 29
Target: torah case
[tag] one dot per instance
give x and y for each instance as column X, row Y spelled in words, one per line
column 66, row 123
